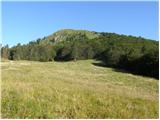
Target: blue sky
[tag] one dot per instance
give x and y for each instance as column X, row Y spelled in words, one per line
column 26, row 21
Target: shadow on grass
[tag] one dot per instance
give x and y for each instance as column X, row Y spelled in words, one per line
column 101, row 64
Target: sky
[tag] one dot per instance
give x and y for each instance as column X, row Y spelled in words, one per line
column 26, row 21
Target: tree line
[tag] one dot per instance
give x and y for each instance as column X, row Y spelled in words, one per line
column 134, row 54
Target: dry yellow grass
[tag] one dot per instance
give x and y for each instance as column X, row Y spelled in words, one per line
column 75, row 90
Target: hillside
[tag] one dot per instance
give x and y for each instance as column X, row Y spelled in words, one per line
column 64, row 34
column 79, row 89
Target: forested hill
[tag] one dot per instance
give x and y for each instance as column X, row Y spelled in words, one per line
column 134, row 54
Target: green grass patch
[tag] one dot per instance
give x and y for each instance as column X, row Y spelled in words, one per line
column 75, row 90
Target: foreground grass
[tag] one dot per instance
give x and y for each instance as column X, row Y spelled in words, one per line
column 75, row 90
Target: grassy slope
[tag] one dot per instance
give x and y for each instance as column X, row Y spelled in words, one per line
column 75, row 90
column 62, row 35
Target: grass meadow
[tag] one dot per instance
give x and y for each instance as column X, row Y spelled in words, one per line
column 75, row 90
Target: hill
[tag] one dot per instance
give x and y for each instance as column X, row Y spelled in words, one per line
column 134, row 54
column 75, row 90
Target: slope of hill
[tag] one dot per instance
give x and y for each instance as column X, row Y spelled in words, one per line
column 75, row 90
column 65, row 34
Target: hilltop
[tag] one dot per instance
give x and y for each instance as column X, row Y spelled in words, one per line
column 64, row 34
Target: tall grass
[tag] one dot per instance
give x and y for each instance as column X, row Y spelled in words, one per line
column 75, row 90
